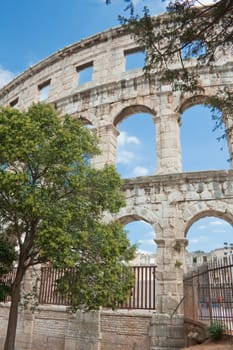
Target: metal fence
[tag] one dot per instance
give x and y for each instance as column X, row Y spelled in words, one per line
column 141, row 296
column 209, row 293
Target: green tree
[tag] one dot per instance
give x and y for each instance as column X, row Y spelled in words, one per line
column 52, row 204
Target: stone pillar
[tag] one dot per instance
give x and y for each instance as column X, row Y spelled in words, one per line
column 169, row 275
column 107, row 136
column 168, row 144
column 29, row 302
column 228, row 121
column 83, row 331
column 167, row 332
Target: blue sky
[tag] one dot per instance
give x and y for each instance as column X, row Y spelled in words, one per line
column 32, row 30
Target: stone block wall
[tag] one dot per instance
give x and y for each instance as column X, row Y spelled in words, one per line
column 125, row 330
column 53, row 328
column 167, row 332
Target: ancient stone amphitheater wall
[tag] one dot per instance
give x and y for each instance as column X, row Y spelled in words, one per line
column 170, row 200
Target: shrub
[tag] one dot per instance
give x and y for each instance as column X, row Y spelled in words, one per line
column 216, row 330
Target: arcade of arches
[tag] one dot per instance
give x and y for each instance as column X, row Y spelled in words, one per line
column 170, row 199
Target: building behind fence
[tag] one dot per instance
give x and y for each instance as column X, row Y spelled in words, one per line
column 209, row 293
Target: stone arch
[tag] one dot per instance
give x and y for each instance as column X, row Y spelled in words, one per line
column 218, row 212
column 83, row 118
column 133, row 109
column 188, row 102
column 129, row 214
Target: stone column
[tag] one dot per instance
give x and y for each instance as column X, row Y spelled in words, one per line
column 83, row 331
column 26, row 320
column 107, row 136
column 228, row 121
column 168, row 144
column 169, row 275
column 166, row 332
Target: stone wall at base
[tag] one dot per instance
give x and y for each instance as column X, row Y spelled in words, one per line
column 53, row 328
column 128, row 330
column 167, row 333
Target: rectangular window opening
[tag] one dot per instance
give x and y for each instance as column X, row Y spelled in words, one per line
column 85, row 73
column 44, row 90
column 134, row 59
column 194, row 260
column 194, row 49
column 14, row 102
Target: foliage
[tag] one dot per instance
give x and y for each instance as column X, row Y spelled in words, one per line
column 187, row 30
column 97, row 276
column 52, row 201
column 7, row 257
column 178, row 263
column 177, row 247
column 216, row 330
column 5, row 291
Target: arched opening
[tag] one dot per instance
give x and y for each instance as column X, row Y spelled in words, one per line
column 209, row 238
column 136, row 154
column 141, row 233
column 201, row 147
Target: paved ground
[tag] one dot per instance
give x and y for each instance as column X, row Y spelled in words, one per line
column 220, row 345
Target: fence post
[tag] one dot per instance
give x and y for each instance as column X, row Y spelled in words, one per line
column 209, row 294
column 195, row 294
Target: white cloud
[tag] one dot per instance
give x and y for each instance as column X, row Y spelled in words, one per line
column 217, row 223
column 146, row 252
column 202, row 227
column 146, row 241
column 125, row 157
column 194, row 240
column 5, row 76
column 124, row 139
column 199, row 239
column 140, row 171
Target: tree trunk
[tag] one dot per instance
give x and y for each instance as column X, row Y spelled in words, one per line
column 13, row 315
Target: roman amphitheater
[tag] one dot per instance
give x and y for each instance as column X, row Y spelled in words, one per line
column 171, row 200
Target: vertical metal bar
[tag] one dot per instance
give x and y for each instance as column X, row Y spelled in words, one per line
column 138, row 288
column 146, row 289
column 154, row 287
column 223, row 272
column 141, row 287
column 230, row 296
column 41, row 291
column 150, row 285
column 135, row 288
column 46, row 285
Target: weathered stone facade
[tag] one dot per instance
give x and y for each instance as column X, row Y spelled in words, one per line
column 53, row 328
column 171, row 201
